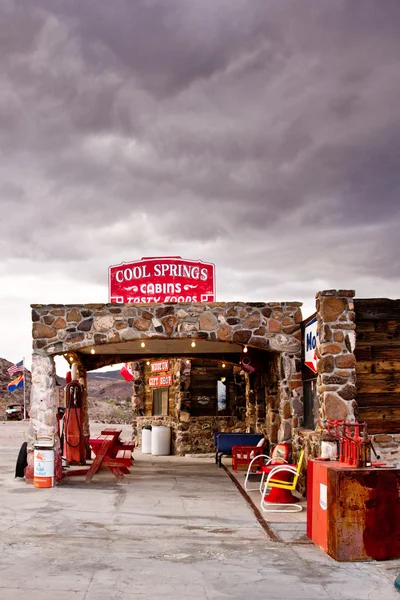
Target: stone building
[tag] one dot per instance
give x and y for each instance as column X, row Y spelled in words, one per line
column 232, row 366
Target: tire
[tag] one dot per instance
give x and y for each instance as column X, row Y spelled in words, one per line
column 22, row 461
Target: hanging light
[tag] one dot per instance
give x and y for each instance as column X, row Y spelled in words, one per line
column 93, row 351
column 245, row 349
column 193, row 344
column 148, row 363
column 143, row 345
column 223, row 379
column 71, row 358
column 223, row 365
column 188, row 362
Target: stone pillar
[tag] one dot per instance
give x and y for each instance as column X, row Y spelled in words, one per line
column 335, row 352
column 259, row 388
column 291, row 410
column 43, row 411
column 251, row 414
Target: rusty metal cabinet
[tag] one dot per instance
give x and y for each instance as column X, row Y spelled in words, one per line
column 353, row 514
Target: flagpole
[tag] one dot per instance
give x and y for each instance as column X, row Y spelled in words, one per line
column 23, row 371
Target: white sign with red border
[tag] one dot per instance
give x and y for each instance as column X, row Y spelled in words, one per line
column 162, row 365
column 160, row 381
column 310, row 344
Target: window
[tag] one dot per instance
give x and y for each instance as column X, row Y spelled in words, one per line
column 160, row 401
column 211, row 397
column 310, row 403
column 222, row 395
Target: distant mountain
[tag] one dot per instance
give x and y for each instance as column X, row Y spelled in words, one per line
column 109, row 395
column 114, row 375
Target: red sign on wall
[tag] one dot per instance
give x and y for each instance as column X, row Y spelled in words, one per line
column 160, row 381
column 162, row 365
column 164, row 279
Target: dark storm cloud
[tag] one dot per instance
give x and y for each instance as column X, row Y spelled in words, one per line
column 241, row 131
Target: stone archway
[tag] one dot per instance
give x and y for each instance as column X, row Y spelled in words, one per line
column 93, row 335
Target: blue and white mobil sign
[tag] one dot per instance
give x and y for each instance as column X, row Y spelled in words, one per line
column 310, row 345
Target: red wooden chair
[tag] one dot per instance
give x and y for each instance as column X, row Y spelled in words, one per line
column 243, row 455
column 279, row 456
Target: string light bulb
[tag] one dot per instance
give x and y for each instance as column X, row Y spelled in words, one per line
column 193, row 344
column 93, row 351
column 143, row 345
column 245, row 349
column 148, row 363
column 223, row 365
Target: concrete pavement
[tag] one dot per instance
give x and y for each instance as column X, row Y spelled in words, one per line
column 179, row 530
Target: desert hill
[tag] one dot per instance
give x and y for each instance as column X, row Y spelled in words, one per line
column 109, row 395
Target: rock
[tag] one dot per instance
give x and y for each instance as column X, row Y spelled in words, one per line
column 114, row 337
column 335, row 408
column 104, row 323
column 381, row 438
column 285, row 431
column 224, row 333
column 283, row 343
column 287, row 411
column 275, row 326
column 252, row 321
column 74, row 315
column 242, row 336
column 59, row 323
column 42, row 331
column 331, row 308
column 330, row 349
column 85, row 325
column 142, row 324
column 326, row 364
column 208, row 321
column 169, row 324
column 345, row 361
column 348, row 392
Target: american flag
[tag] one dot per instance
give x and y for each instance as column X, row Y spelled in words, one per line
column 14, row 368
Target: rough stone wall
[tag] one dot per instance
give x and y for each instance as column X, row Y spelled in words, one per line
column 272, row 398
column 63, row 328
column 291, row 409
column 43, row 410
column 388, row 448
column 336, row 360
column 310, row 442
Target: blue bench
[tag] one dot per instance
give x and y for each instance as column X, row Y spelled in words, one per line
column 223, row 443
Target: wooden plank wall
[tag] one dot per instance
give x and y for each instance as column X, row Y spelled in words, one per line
column 378, row 363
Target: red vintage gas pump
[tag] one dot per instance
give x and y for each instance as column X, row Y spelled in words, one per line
column 74, row 441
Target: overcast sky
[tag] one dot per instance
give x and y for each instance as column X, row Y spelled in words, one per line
column 261, row 135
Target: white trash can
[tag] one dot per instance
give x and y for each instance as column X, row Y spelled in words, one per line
column 161, row 441
column 146, row 440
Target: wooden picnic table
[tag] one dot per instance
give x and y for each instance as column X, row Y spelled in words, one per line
column 109, row 454
column 95, row 443
column 111, row 431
